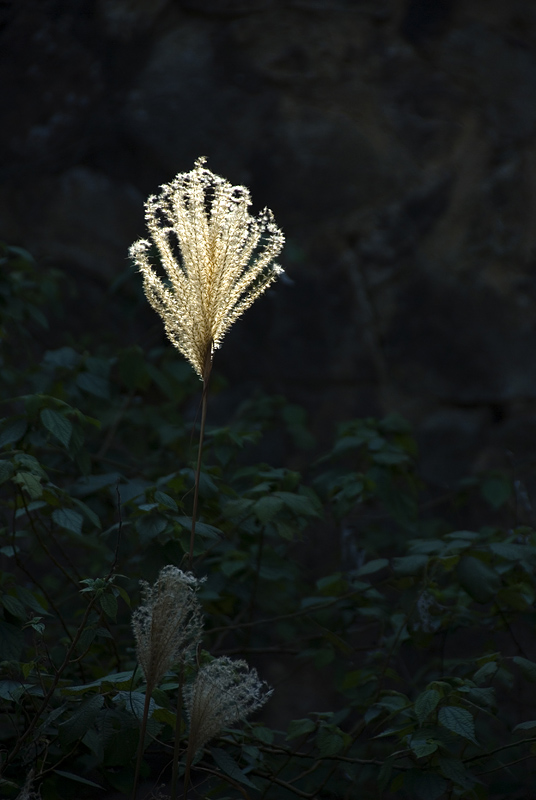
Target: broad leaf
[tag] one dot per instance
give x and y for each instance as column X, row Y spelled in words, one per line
column 68, row 519
column 300, row 727
column 58, row 425
column 228, row 765
column 458, row 720
column 479, row 581
column 82, row 719
column 426, row 703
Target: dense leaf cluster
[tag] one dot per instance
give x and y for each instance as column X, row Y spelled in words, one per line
column 422, row 635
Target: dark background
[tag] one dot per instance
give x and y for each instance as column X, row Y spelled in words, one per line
column 395, row 142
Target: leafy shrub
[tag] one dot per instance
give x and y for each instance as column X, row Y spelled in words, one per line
column 421, row 634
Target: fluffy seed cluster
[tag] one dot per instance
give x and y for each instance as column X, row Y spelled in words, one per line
column 224, row 692
column 169, row 624
column 217, row 257
column 26, row 792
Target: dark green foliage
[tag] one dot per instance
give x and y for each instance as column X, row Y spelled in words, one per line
column 422, row 635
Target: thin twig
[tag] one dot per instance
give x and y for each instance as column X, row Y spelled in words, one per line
column 177, row 743
column 148, row 692
column 53, row 685
column 208, row 366
column 225, row 777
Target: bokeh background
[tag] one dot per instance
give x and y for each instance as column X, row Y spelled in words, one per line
column 395, row 142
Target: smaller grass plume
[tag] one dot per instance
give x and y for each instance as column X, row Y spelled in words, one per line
column 224, row 692
column 167, row 627
column 169, row 623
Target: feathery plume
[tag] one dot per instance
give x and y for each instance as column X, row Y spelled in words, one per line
column 169, row 624
column 224, row 692
column 26, row 792
column 218, row 259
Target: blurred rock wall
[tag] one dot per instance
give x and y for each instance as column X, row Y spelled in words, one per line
column 395, row 141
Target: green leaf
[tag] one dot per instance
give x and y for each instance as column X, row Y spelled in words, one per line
column 77, row 778
column 91, row 484
column 299, row 504
column 10, row 690
column 202, row 528
column 385, row 774
column 62, row 357
column 427, row 546
column 93, row 741
column 86, row 638
column 120, row 680
column 510, row 551
column 238, row 508
column 165, row 500
column 332, row 585
column 423, row 746
column 372, row 566
column 329, row 742
column 108, row 604
column 426, row 703
column 120, row 750
column 28, row 599
column 82, row 719
column 13, row 432
column 6, row 470
column 525, row 726
column 88, row 512
column 263, row 734
column 150, row 525
column 228, row 765
column 486, row 671
column 68, row 519
column 455, row 771
column 30, row 483
column 93, row 384
column 165, row 716
column 528, row 667
column 458, row 720
column 479, row 581
column 134, row 703
column 409, row 565
column 515, row 597
column 300, row 727
column 26, row 461
column 399, row 504
column 132, row 368
column 424, row 785
column 470, row 536
column 123, row 594
column 11, row 642
column 58, row 425
column 496, row 489
column 483, row 697
column 267, row 508
column 286, row 530
column 13, row 606
column 389, row 457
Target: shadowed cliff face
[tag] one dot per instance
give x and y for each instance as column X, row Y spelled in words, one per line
column 395, row 142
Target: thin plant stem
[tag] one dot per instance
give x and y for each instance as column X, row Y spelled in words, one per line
column 176, row 748
column 52, row 689
column 143, row 729
column 255, row 585
column 199, row 457
column 187, row 774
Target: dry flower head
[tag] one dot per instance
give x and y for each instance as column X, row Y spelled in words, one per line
column 169, row 624
column 26, row 792
column 224, row 692
column 217, row 257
